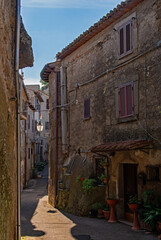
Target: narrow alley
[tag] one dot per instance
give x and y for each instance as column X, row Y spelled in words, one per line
column 40, row 221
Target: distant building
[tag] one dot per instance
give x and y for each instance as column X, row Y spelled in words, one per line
column 39, row 100
column 44, row 135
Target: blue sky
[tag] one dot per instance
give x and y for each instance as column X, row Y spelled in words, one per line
column 53, row 24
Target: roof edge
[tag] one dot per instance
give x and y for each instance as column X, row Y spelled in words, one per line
column 104, row 22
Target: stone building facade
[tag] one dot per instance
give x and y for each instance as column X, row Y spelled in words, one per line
column 104, row 97
column 44, row 135
column 34, row 140
column 8, row 130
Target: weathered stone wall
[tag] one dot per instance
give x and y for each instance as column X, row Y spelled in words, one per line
column 142, row 67
column 26, row 53
column 90, row 60
column 8, row 159
column 8, row 163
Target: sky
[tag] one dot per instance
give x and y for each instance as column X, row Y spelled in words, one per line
column 53, row 24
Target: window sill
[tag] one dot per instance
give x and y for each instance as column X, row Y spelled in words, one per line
column 125, row 54
column 87, row 118
column 127, row 119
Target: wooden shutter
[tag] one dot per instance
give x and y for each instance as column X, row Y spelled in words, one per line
column 122, row 103
column 126, row 101
column 47, row 103
column 129, row 99
column 125, row 39
column 128, row 37
column 121, row 36
column 87, row 108
column 33, row 126
column 28, row 121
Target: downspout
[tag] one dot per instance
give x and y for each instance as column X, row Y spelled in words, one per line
column 63, row 80
column 57, row 131
column 17, row 47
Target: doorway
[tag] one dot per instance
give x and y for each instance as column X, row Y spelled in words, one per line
column 130, row 187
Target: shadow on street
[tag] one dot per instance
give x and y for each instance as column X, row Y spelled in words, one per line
column 35, row 190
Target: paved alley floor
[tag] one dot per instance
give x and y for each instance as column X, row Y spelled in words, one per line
column 40, row 221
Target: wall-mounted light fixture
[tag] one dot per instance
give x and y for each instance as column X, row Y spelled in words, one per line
column 40, row 127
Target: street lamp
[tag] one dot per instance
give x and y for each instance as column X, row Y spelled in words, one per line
column 39, row 127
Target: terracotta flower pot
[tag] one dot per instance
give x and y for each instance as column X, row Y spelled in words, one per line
column 159, row 229
column 112, row 203
column 133, row 207
column 82, row 179
column 105, row 180
column 106, row 214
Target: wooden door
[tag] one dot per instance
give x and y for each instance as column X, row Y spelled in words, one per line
column 130, row 185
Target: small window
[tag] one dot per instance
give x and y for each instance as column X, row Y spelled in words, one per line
column 87, row 108
column 46, row 125
column 153, row 173
column 28, row 153
column 28, row 121
column 47, row 103
column 33, row 127
column 125, row 39
column 126, row 101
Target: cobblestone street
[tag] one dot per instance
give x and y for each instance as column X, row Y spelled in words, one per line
column 40, row 221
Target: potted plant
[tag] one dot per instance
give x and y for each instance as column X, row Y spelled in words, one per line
column 133, row 205
column 88, row 184
column 152, row 217
column 151, row 210
column 99, row 208
column 104, row 178
column 103, row 162
column 112, row 203
column 106, row 212
column 80, row 179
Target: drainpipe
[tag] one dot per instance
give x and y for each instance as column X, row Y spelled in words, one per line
column 17, row 47
column 63, row 81
column 57, row 126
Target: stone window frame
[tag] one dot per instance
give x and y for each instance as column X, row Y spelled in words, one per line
column 87, row 108
column 123, row 28
column 126, row 97
column 133, row 30
column 153, row 173
column 135, row 102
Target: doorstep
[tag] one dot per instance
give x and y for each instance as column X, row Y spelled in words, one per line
column 125, row 222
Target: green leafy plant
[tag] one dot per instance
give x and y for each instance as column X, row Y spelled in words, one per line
column 88, row 184
column 103, row 176
column 150, row 211
column 133, row 199
column 152, row 216
column 106, row 207
column 97, row 205
column 78, row 179
column 103, row 162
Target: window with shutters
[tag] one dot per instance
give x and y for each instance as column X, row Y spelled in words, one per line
column 153, row 173
column 125, row 39
column 33, row 127
column 28, row 121
column 126, row 100
column 47, row 103
column 28, row 153
column 87, row 108
column 46, row 125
